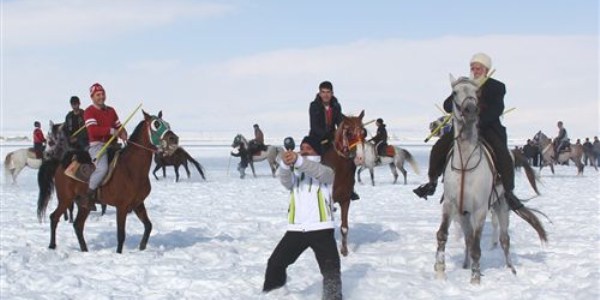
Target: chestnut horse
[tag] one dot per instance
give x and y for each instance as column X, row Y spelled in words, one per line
column 126, row 189
column 340, row 159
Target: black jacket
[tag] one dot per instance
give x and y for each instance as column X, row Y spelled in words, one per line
column 491, row 104
column 318, row 127
column 381, row 135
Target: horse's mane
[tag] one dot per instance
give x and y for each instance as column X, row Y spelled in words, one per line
column 137, row 131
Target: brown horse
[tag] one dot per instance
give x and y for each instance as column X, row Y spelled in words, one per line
column 340, row 159
column 575, row 153
column 126, row 189
column 178, row 158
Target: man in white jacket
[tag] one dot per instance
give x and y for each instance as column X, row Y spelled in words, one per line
column 310, row 220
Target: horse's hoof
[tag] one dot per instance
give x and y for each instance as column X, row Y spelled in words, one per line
column 52, row 247
column 440, row 275
column 344, row 252
column 476, row 279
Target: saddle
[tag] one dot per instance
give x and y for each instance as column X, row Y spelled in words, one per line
column 390, row 151
column 31, row 153
column 81, row 169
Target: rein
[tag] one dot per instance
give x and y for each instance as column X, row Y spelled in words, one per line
column 142, row 146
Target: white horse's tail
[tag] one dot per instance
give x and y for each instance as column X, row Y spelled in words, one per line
column 8, row 166
column 529, row 217
column 411, row 160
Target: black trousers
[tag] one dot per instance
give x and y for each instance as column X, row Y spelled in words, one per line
column 498, row 142
column 289, row 249
column 39, row 149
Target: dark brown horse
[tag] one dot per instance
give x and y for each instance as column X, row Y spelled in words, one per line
column 178, row 158
column 126, row 190
column 340, row 159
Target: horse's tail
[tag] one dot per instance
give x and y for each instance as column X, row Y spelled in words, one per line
column 7, row 166
column 196, row 163
column 521, row 161
column 529, row 217
column 46, row 185
column 411, row 160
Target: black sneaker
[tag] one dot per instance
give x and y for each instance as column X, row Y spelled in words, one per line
column 513, row 202
column 354, row 196
column 425, row 190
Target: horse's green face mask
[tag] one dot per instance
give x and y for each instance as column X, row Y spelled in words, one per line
column 158, row 128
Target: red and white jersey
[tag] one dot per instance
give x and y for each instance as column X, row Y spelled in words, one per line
column 99, row 122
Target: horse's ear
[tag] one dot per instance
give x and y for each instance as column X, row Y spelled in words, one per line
column 452, row 80
column 51, row 124
column 160, row 114
column 362, row 114
column 146, row 115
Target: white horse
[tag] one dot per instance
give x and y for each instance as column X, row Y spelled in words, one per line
column 366, row 157
column 17, row 160
column 470, row 186
column 240, row 148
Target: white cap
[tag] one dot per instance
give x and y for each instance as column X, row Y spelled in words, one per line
column 483, row 59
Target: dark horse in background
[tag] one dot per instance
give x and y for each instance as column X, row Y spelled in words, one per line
column 340, row 158
column 126, row 189
column 178, row 158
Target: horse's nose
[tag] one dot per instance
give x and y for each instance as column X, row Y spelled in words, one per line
column 173, row 139
column 470, row 108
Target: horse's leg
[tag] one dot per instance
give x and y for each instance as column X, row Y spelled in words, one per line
column 403, row 171
column 252, row 167
column 465, row 224
column 164, row 169
column 54, row 219
column 71, row 207
column 121, row 218
column 442, row 238
column 176, row 167
column 495, row 216
column 372, row 176
column 502, row 212
column 187, row 170
column 394, row 172
column 141, row 213
column 154, row 171
column 358, row 173
column 82, row 215
column 345, row 205
column 479, row 219
column 103, row 209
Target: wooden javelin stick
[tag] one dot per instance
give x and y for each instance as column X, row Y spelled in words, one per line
column 78, row 131
column 101, row 152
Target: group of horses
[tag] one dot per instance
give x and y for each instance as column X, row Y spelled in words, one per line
column 471, row 188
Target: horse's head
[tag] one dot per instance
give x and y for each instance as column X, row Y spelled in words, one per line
column 160, row 133
column 464, row 101
column 349, row 134
column 239, row 141
column 57, row 141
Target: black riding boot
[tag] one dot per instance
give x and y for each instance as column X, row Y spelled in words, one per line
column 88, row 200
column 427, row 189
column 354, row 196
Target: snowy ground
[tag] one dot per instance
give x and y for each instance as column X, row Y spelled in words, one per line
column 211, row 240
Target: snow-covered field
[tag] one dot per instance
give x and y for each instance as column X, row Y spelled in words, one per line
column 211, row 240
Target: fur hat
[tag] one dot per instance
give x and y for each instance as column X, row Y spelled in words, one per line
column 96, row 87
column 314, row 142
column 483, row 59
column 326, row 85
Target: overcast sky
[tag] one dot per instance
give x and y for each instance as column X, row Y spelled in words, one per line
column 216, row 68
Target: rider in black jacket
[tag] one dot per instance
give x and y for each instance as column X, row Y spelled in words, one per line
column 491, row 107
